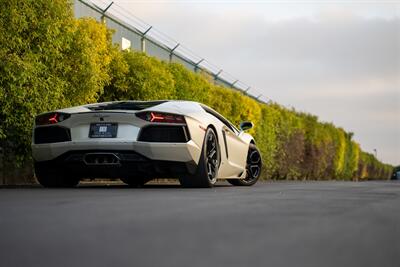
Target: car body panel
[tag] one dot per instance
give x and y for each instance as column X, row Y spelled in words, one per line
column 233, row 144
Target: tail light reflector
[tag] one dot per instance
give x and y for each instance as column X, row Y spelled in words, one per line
column 51, row 118
column 161, row 117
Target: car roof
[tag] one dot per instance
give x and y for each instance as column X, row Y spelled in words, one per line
column 125, row 105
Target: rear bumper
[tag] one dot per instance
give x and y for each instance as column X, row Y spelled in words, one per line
column 129, row 164
column 176, row 152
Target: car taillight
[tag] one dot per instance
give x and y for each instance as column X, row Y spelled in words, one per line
column 161, row 117
column 51, row 118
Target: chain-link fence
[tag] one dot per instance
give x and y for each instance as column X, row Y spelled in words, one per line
column 133, row 33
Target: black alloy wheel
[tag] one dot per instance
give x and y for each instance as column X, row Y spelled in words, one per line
column 253, row 168
column 209, row 162
column 212, row 157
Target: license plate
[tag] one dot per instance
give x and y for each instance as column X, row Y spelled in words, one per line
column 103, row 130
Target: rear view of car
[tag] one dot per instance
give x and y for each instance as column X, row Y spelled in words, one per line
column 109, row 140
column 137, row 141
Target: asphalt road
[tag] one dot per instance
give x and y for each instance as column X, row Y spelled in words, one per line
column 270, row 224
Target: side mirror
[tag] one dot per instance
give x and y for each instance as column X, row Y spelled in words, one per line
column 246, row 125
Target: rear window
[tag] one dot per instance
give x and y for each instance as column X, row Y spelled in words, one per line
column 126, row 105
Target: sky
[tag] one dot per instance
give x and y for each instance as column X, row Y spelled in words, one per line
column 339, row 60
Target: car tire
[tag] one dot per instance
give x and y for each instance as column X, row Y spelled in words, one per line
column 53, row 179
column 135, row 181
column 253, row 168
column 207, row 169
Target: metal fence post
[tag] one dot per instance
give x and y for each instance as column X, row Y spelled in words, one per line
column 216, row 75
column 171, row 53
column 233, row 84
column 143, row 40
column 143, row 45
column 196, row 66
column 103, row 18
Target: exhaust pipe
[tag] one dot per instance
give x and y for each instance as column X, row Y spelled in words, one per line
column 101, row 159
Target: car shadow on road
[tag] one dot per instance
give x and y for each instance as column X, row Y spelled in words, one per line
column 110, row 185
column 144, row 187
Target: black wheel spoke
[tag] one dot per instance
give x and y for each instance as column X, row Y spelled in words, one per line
column 253, row 168
column 212, row 153
column 211, row 156
column 253, row 165
column 208, row 165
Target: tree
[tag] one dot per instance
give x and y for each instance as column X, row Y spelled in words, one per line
column 137, row 76
column 48, row 60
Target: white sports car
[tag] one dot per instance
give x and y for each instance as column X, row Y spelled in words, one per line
column 137, row 141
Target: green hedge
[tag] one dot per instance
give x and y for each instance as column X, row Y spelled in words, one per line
column 48, row 60
column 51, row 60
